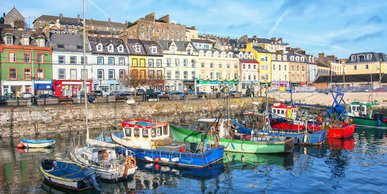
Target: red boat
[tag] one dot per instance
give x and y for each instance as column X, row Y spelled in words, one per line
column 341, row 132
column 293, row 126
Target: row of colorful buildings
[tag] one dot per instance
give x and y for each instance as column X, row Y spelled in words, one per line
column 154, row 53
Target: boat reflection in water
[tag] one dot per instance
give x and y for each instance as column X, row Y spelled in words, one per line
column 250, row 161
column 209, row 172
column 341, row 144
column 35, row 150
column 313, row 151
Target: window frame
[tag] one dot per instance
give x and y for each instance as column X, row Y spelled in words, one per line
column 9, row 73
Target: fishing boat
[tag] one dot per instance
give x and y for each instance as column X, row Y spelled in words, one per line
column 341, row 132
column 143, row 133
column 30, row 143
column 108, row 165
column 256, row 144
column 102, row 141
column 363, row 115
column 68, row 175
column 147, row 139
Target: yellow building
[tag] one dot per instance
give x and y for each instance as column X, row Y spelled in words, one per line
column 366, row 63
column 263, row 56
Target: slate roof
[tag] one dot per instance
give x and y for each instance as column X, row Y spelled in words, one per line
column 132, row 42
column 70, row 42
column 202, row 41
column 78, row 21
column 147, row 44
column 260, row 49
column 18, row 34
column 106, row 41
column 350, row 78
column 375, row 57
column 181, row 45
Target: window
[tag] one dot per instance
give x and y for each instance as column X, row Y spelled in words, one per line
column 82, row 60
column 220, row 65
column 355, row 67
column 121, row 73
column 73, row 74
column 159, row 74
column 60, row 46
column 121, row 61
column 173, row 50
column 84, row 74
column 177, row 62
column 151, row 74
column 279, row 67
column 302, row 68
column 62, row 74
column 159, row 63
column 177, row 75
column 111, row 61
column 61, row 59
column 366, row 66
column 273, row 67
column 193, row 63
column 120, row 48
column 185, row 61
column 137, row 48
column 111, row 74
column 79, row 47
column 12, row 73
column 99, row 47
column 40, row 74
column 228, row 66
column 27, row 74
column 134, row 62
column 12, row 57
column 189, row 51
column 111, row 48
column 142, row 62
column 100, row 74
column 27, row 57
column 369, row 56
column 235, row 66
column 168, row 62
column 40, row 57
column 285, row 67
column 202, row 64
column 168, row 74
column 73, row 59
column 353, row 58
column 211, row 65
column 150, row 63
column 153, row 49
column 9, row 40
column 185, row 74
column 193, row 74
column 25, row 41
column 100, row 60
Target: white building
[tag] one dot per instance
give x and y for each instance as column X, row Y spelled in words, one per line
column 280, row 70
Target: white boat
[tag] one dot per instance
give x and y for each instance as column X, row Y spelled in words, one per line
column 142, row 133
column 31, row 143
column 105, row 162
column 101, row 141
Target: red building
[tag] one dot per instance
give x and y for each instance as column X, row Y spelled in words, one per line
column 70, row 88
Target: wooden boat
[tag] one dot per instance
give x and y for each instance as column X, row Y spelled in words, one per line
column 147, row 139
column 362, row 114
column 108, row 165
column 142, row 133
column 30, row 143
column 341, row 132
column 68, row 175
column 258, row 145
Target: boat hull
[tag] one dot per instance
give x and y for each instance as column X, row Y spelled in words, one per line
column 234, row 145
column 341, row 132
column 365, row 122
column 28, row 143
column 183, row 159
column 315, row 139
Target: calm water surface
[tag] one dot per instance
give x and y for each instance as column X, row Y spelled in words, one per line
column 356, row 165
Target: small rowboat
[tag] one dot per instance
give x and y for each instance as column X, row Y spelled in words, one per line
column 30, row 143
column 68, row 175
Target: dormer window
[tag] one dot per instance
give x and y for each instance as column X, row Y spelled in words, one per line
column 173, row 50
column 240, row 55
column 9, row 40
column 297, row 58
column 292, row 58
column 25, row 41
column 246, row 56
column 111, row 48
column 189, row 51
column 229, row 55
column 153, row 49
column 369, row 56
column 120, row 49
column 353, row 58
column 279, row 57
column 216, row 54
column 137, row 48
column 41, row 42
column 302, row 59
column 99, row 47
column 251, row 56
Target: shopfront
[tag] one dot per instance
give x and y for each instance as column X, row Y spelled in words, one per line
column 211, row 86
column 70, row 88
column 43, row 87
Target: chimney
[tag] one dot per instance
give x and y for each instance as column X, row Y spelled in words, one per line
column 321, row 56
column 61, row 15
column 150, row 17
column 165, row 18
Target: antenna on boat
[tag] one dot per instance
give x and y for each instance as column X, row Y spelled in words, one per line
column 84, row 68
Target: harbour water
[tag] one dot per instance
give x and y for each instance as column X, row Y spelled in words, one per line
column 356, row 165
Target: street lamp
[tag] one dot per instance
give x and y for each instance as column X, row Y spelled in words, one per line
column 194, row 62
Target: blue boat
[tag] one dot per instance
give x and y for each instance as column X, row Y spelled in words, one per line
column 304, row 138
column 67, row 175
column 30, row 143
column 149, row 141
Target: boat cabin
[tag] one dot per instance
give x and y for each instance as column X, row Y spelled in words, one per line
column 145, row 129
column 214, row 124
column 284, row 110
column 361, row 109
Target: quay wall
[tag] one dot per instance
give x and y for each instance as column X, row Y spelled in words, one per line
column 327, row 99
column 42, row 120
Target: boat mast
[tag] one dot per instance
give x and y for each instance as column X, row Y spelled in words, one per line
column 84, row 69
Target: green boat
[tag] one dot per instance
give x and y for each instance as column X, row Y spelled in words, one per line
column 264, row 145
column 363, row 115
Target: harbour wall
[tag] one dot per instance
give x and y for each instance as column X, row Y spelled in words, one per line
column 45, row 120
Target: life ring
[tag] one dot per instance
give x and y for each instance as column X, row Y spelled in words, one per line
column 130, row 162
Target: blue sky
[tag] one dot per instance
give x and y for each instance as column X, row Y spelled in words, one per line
column 338, row 27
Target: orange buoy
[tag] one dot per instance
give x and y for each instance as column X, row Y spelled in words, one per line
column 157, row 167
column 157, row 159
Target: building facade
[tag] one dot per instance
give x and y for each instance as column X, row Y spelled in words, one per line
column 297, row 69
column 280, row 72
column 110, row 63
column 26, row 62
column 249, row 72
column 263, row 57
column 366, row 63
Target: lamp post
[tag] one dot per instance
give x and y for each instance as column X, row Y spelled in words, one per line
column 380, row 72
column 33, row 73
column 195, row 91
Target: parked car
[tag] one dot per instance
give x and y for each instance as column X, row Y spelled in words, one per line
column 140, row 92
column 98, row 92
column 191, row 92
column 26, row 95
column 234, row 93
column 162, row 94
column 202, row 94
column 124, row 93
column 177, row 93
